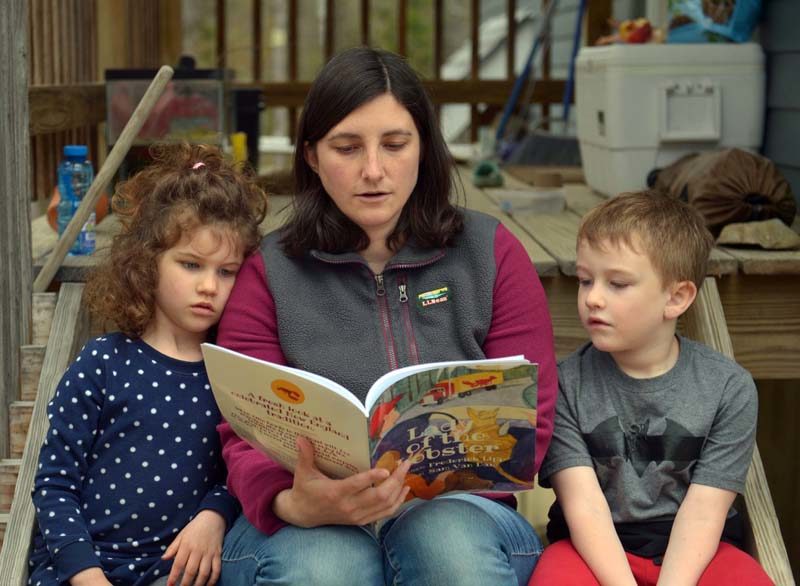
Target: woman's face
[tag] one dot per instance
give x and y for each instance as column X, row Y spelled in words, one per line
column 368, row 164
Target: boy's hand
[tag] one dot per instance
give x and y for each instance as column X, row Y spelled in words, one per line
column 89, row 577
column 315, row 499
column 197, row 551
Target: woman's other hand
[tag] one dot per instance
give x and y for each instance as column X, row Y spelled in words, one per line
column 316, row 499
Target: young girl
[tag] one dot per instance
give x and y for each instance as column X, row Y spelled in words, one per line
column 130, row 483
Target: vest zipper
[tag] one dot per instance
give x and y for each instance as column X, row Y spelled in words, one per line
column 413, row 353
column 383, row 310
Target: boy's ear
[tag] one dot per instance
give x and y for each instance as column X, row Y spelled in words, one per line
column 681, row 296
column 310, row 155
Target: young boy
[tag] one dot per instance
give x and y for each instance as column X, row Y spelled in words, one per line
column 653, row 432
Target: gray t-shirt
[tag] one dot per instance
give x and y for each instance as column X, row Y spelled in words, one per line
column 648, row 439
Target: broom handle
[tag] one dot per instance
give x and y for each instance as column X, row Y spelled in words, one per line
column 107, row 171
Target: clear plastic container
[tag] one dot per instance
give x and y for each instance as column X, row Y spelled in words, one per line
column 546, row 196
column 75, row 175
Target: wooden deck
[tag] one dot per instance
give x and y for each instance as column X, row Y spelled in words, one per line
column 759, row 289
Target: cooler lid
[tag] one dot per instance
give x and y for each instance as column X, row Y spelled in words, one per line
column 671, row 55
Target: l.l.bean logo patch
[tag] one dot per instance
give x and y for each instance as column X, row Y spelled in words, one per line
column 434, row 297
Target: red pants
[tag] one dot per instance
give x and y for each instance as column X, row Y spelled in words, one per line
column 562, row 564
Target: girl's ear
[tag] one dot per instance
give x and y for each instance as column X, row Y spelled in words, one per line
column 310, row 155
column 681, row 296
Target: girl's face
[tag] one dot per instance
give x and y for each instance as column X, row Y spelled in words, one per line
column 368, row 164
column 195, row 278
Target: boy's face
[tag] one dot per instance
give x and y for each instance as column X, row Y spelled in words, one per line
column 622, row 300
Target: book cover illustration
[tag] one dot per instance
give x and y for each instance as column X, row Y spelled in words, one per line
column 466, row 429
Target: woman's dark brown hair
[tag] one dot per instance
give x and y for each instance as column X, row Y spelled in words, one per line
column 349, row 80
column 186, row 186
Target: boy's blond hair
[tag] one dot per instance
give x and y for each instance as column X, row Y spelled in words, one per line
column 671, row 233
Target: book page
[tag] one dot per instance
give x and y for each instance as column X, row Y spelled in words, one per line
column 470, row 427
column 391, row 377
column 269, row 405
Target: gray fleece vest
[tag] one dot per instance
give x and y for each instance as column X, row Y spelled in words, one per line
column 339, row 320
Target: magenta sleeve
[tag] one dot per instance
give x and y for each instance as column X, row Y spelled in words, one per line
column 249, row 325
column 521, row 325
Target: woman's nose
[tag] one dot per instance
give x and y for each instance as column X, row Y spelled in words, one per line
column 373, row 165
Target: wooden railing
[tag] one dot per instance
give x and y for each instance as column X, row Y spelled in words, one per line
column 76, row 105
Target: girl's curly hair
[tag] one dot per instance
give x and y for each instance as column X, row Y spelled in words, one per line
column 185, row 187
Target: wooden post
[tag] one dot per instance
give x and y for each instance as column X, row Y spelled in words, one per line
column 15, row 198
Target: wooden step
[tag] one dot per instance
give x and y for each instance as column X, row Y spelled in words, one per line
column 43, row 308
column 9, row 469
column 31, row 358
column 19, row 414
column 3, row 524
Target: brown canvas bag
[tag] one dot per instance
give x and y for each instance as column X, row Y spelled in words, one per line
column 728, row 186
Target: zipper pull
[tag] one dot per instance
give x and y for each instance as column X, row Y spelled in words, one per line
column 380, row 290
column 403, row 293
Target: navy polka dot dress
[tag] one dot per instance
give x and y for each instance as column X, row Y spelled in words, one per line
column 132, row 454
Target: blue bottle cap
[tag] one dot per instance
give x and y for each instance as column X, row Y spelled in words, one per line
column 76, row 150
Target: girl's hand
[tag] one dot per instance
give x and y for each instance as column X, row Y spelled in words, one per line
column 89, row 577
column 197, row 551
column 315, row 499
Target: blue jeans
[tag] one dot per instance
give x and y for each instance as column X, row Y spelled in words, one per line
column 459, row 539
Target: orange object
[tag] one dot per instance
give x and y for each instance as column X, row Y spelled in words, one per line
column 100, row 210
column 635, row 31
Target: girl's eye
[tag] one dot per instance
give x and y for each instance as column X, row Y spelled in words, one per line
column 227, row 273
column 618, row 284
column 187, row 264
column 584, row 282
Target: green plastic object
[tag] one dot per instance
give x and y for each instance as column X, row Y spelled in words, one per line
column 487, row 174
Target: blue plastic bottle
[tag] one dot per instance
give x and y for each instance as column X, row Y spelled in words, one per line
column 75, row 175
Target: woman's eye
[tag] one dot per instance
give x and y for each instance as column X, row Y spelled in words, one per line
column 395, row 146
column 345, row 150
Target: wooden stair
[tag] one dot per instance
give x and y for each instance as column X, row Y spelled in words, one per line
column 31, row 358
column 41, row 366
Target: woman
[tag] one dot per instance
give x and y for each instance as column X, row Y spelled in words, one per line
column 335, row 292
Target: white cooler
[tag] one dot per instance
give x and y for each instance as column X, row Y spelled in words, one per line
column 643, row 106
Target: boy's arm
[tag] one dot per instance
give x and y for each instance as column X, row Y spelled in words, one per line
column 695, row 534
column 590, row 525
column 719, row 474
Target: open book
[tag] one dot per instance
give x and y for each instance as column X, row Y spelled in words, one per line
column 467, row 425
